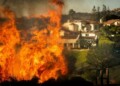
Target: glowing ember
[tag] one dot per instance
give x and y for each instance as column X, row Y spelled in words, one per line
column 40, row 57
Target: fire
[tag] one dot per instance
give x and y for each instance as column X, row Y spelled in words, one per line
column 40, row 57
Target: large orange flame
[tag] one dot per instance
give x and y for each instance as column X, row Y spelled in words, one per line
column 40, row 57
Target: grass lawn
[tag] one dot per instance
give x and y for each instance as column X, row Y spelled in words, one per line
column 81, row 58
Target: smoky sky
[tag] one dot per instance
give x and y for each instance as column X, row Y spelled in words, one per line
column 27, row 7
column 31, row 7
column 36, row 7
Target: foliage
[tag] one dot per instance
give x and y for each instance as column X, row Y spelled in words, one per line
column 81, row 58
column 104, row 8
column 89, row 75
column 113, row 33
column 111, row 16
column 99, row 57
column 71, row 58
column 94, row 9
column 71, row 14
column 97, row 13
column 103, row 39
column 114, row 74
column 77, row 58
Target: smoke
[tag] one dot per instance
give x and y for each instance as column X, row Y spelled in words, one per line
column 29, row 7
column 77, row 5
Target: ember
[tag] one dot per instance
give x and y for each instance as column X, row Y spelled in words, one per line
column 40, row 57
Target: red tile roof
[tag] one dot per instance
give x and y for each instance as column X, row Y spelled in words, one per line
column 111, row 21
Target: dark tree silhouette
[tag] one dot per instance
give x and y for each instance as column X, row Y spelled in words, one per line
column 71, row 14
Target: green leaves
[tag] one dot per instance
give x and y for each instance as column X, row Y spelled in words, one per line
column 113, row 33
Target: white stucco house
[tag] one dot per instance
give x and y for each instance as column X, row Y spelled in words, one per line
column 73, row 33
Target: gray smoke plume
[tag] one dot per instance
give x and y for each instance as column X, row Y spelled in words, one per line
column 27, row 7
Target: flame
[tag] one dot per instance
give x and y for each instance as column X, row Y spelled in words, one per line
column 40, row 57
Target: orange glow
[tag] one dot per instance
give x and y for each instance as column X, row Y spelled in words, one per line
column 40, row 57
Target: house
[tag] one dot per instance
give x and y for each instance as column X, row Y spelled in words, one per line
column 80, row 25
column 78, row 40
column 94, row 25
column 70, row 39
column 71, row 42
column 78, row 33
column 71, row 26
column 66, row 32
column 88, row 39
column 115, row 22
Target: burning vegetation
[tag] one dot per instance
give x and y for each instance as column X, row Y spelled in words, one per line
column 40, row 56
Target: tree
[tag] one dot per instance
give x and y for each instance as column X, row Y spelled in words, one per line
column 108, row 9
column 71, row 13
column 100, row 56
column 94, row 10
column 98, row 13
column 113, row 33
column 98, row 9
column 104, row 8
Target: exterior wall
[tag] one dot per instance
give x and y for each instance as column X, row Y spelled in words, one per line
column 71, row 27
column 88, row 34
column 79, row 25
column 91, row 34
column 85, row 29
column 92, row 27
column 72, row 45
column 101, row 21
column 83, row 34
column 116, row 23
column 76, row 27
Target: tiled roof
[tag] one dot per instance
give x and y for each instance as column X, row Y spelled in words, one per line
column 111, row 21
column 67, row 30
column 70, row 39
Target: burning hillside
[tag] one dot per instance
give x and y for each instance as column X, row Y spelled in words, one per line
column 40, row 56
